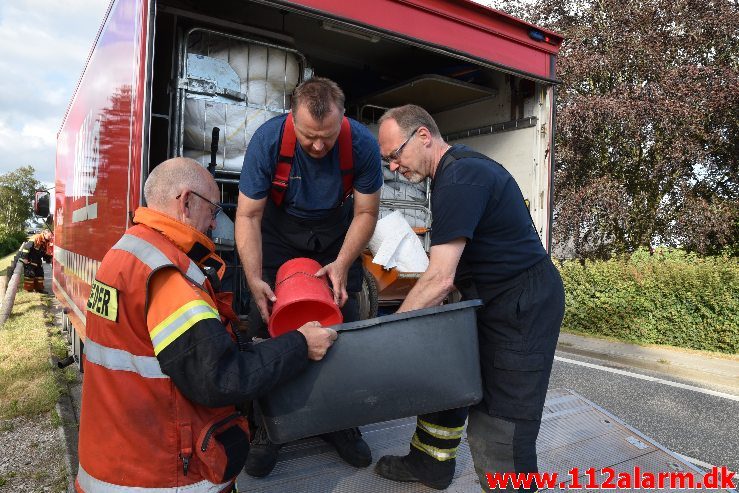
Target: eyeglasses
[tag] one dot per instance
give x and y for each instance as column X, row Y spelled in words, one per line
column 214, row 212
column 393, row 156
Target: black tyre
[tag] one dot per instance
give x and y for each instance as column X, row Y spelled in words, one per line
column 454, row 297
column 367, row 296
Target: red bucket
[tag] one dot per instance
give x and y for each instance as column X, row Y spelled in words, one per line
column 301, row 297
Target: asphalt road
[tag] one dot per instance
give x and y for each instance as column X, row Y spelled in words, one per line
column 694, row 424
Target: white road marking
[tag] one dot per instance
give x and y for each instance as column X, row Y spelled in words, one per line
column 704, row 465
column 649, row 379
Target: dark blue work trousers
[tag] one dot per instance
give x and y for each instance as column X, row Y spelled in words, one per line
column 285, row 237
column 518, row 328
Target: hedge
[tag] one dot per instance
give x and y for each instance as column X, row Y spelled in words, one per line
column 11, row 242
column 669, row 297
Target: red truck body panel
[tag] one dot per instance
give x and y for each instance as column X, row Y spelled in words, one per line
column 461, row 26
column 98, row 164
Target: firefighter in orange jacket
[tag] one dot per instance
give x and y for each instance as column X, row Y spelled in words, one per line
column 162, row 368
column 33, row 254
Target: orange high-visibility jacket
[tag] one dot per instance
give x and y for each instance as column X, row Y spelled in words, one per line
column 137, row 429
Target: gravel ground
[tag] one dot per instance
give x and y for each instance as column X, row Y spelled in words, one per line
column 32, row 456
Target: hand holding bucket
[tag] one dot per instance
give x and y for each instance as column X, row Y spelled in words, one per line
column 301, row 297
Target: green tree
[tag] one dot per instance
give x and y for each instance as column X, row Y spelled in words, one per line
column 17, row 190
column 648, row 122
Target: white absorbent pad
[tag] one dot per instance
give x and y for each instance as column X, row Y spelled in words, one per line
column 394, row 244
column 416, row 218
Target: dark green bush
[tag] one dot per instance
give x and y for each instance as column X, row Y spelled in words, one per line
column 667, row 298
column 11, row 242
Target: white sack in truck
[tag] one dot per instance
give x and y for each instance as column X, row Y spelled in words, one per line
column 394, row 244
column 416, row 218
column 237, row 124
column 266, row 93
column 256, row 62
column 267, row 77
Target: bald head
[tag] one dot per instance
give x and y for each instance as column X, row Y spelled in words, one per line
column 173, row 177
column 184, row 190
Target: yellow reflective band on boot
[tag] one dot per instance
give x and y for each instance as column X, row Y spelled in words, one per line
column 441, row 432
column 179, row 322
column 440, row 454
column 103, row 301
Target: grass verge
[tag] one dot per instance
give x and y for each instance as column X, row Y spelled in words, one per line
column 33, row 454
column 28, row 383
column 5, row 262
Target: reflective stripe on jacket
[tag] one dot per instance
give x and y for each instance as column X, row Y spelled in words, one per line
column 138, row 432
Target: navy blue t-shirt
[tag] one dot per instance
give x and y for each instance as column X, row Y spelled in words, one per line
column 315, row 187
column 479, row 200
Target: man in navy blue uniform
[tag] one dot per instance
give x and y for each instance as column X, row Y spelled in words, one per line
column 310, row 187
column 484, row 243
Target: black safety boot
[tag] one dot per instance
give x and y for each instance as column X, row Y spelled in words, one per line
column 350, row 446
column 262, row 455
column 398, row 468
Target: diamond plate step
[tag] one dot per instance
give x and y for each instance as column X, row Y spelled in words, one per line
column 574, row 433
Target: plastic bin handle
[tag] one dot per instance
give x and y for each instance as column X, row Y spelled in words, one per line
column 371, row 322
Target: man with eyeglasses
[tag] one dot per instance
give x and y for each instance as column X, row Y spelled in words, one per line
column 215, row 208
column 310, row 187
column 392, row 157
column 483, row 242
column 163, row 371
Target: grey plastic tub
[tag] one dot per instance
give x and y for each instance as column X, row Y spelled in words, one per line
column 381, row 369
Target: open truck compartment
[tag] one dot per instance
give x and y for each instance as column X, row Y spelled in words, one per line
column 163, row 73
column 210, row 70
column 233, row 65
column 234, row 84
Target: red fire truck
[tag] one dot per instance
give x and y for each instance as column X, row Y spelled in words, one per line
column 163, row 74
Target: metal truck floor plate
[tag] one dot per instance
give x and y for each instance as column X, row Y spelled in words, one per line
column 311, row 465
column 654, row 462
column 574, row 433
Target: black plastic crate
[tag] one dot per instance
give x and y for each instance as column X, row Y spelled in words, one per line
column 381, row 369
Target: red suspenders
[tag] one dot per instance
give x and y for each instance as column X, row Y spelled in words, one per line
column 287, row 152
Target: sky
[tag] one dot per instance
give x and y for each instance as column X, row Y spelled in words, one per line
column 43, row 48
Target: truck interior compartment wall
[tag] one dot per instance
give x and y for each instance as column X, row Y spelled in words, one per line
column 165, row 54
column 515, row 151
column 506, row 104
column 365, row 68
column 518, row 138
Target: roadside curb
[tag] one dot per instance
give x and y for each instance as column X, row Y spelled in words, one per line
column 719, row 371
column 65, row 408
column 68, row 436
